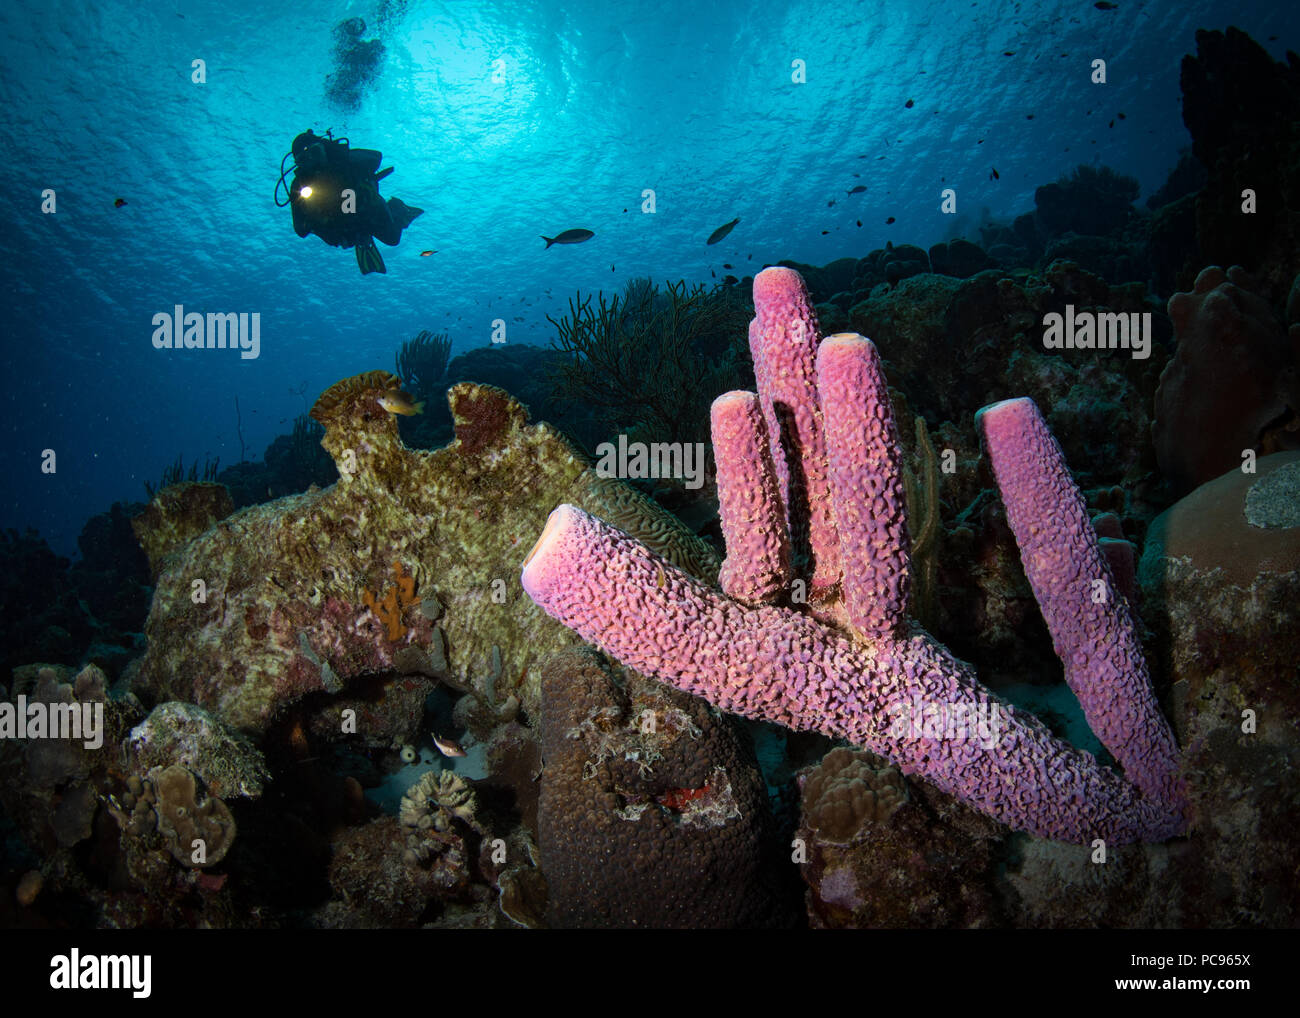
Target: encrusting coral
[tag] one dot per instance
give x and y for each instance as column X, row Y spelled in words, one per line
column 844, row 659
column 286, row 586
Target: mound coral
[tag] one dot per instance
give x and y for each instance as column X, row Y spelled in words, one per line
column 849, row 789
column 815, row 633
column 283, row 612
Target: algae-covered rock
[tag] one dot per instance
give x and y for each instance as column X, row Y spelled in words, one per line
column 409, row 563
column 652, row 811
column 1221, row 575
column 181, row 733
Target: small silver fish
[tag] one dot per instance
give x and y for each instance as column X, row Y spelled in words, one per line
column 447, row 747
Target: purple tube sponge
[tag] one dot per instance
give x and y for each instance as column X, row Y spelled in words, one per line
column 783, row 340
column 757, row 567
column 866, row 481
column 849, row 664
column 1089, row 620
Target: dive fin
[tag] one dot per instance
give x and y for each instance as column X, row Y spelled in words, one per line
column 368, row 257
column 403, row 214
column 383, row 173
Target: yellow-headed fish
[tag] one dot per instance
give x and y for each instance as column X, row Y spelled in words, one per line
column 397, row 402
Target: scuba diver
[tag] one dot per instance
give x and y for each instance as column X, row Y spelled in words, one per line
column 323, row 169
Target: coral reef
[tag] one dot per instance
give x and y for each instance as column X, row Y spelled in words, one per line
column 434, row 860
column 653, row 813
column 50, row 787
column 112, row 839
column 805, row 671
column 285, row 613
column 378, row 888
column 74, row 613
column 955, row 345
column 1233, row 383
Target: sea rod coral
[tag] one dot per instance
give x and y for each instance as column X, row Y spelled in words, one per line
column 809, row 485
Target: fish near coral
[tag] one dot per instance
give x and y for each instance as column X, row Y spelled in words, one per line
column 397, row 402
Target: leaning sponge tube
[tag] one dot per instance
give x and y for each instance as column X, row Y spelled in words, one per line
column 776, row 665
column 1092, row 630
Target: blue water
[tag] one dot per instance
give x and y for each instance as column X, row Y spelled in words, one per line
column 596, row 102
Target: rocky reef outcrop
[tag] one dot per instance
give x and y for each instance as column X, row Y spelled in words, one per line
column 409, row 565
